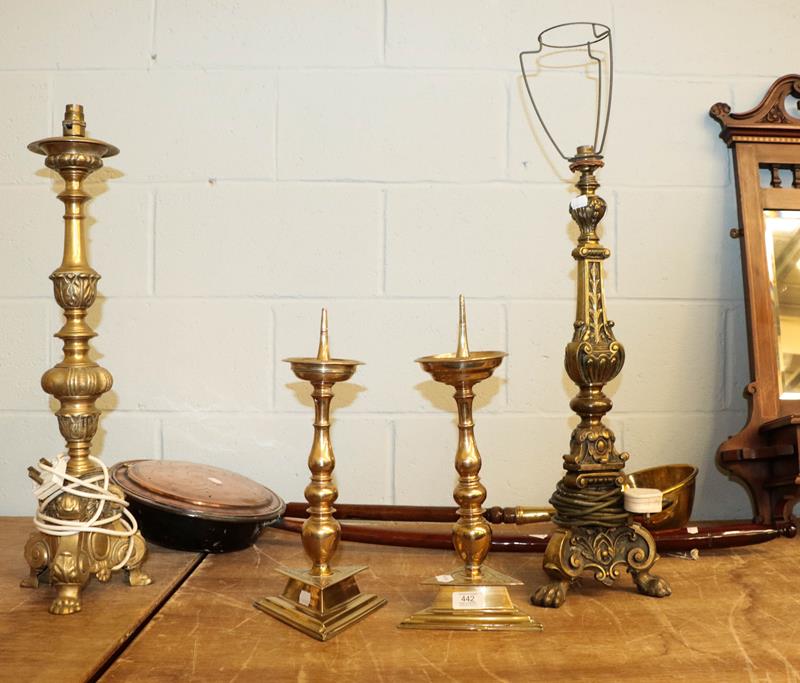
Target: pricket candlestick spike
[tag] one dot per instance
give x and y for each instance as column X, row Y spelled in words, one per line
column 475, row 597
column 321, row 601
column 462, row 350
column 323, row 350
column 77, row 382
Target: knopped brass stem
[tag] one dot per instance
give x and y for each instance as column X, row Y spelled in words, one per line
column 322, row 601
column 321, row 530
column 77, row 382
column 474, row 597
column 472, row 534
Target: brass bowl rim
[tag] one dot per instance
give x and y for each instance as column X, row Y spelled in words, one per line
column 317, row 361
column 670, row 489
column 452, row 357
column 36, row 146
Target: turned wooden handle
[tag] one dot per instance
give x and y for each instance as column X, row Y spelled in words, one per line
column 425, row 513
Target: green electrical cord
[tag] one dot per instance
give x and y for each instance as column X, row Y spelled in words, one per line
column 588, row 507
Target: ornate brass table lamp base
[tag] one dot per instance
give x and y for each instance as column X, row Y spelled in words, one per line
column 604, row 551
column 80, row 515
column 321, row 606
column 597, row 533
column 474, row 598
column 72, row 560
column 321, row 601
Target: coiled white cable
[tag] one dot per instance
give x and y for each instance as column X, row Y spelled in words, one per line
column 61, row 482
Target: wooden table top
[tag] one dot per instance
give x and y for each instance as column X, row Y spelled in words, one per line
column 38, row 646
column 732, row 617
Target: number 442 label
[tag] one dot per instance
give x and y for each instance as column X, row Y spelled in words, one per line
column 468, row 600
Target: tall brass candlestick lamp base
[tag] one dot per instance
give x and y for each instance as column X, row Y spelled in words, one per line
column 476, row 597
column 84, row 528
column 597, row 534
column 321, row 601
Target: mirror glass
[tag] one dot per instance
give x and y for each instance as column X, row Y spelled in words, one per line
column 782, row 232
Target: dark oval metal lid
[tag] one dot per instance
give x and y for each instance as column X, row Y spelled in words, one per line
column 196, row 490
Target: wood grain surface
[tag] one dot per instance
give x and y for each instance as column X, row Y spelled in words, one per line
column 732, row 617
column 38, row 646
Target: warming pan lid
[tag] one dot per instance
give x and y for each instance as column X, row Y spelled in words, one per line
column 195, row 490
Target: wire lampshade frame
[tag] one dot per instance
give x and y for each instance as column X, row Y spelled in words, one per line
column 548, row 39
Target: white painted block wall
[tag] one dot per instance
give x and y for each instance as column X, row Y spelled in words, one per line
column 376, row 157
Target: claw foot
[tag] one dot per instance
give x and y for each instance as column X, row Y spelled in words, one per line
column 551, row 594
column 103, row 574
column 68, row 600
column 138, row 577
column 652, row 585
column 30, row 581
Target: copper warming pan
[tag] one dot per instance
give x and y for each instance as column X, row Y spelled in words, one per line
column 187, row 506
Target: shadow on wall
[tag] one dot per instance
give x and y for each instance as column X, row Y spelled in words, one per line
column 440, row 396
column 344, row 393
column 737, row 365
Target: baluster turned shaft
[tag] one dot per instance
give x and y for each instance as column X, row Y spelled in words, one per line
column 474, row 597
column 775, row 175
column 77, row 382
column 321, row 531
column 321, row 601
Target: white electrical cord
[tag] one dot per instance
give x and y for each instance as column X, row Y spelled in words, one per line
column 60, row 482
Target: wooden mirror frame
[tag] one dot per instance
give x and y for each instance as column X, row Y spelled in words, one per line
column 765, row 455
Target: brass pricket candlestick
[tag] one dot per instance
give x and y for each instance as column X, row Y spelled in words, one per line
column 84, row 528
column 476, row 597
column 321, row 601
column 596, row 532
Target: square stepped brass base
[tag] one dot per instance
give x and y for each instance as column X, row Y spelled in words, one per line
column 466, row 604
column 321, row 606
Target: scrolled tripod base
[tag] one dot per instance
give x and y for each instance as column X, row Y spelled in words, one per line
column 473, row 605
column 606, row 552
column 70, row 561
column 321, row 606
